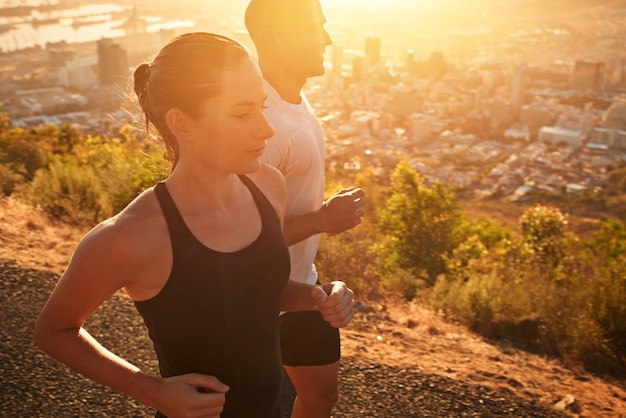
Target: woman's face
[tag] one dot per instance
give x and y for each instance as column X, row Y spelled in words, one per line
column 231, row 136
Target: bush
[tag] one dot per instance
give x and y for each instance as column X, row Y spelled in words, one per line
column 9, row 180
column 572, row 306
column 420, row 223
column 70, row 192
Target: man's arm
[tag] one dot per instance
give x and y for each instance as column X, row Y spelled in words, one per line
column 342, row 211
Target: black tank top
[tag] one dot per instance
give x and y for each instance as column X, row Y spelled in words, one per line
column 218, row 312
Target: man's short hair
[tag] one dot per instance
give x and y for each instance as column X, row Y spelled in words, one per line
column 269, row 13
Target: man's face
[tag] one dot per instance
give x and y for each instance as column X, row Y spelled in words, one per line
column 302, row 39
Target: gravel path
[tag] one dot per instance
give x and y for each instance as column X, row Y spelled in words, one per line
column 34, row 385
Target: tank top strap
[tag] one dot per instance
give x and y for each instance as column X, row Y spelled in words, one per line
column 264, row 206
column 175, row 222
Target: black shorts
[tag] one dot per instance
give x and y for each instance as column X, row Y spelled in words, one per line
column 306, row 339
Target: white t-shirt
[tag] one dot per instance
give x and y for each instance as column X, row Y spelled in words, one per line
column 297, row 150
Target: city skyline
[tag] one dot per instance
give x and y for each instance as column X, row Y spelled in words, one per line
column 420, row 25
column 399, row 73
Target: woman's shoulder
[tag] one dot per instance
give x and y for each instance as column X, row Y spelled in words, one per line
column 132, row 226
column 122, row 250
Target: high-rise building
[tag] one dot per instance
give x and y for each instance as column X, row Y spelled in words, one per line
column 436, row 65
column 587, row 75
column 60, row 53
column 615, row 116
column 79, row 72
column 358, row 69
column 112, row 62
column 615, row 72
column 518, row 88
column 409, row 60
column 372, row 50
column 337, row 59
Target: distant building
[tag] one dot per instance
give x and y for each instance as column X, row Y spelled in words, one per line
column 79, row 72
column 537, row 75
column 615, row 116
column 49, row 101
column 587, row 75
column 372, row 50
column 611, row 134
column 476, row 122
column 518, row 89
column 499, row 109
column 358, row 69
column 517, row 134
column 558, row 136
column 619, row 140
column 536, row 115
column 576, row 189
column 112, row 62
column 419, row 127
column 402, row 102
column 436, row 65
column 601, row 138
column 60, row 53
column 337, row 59
column 363, row 121
column 615, row 71
column 424, row 127
column 409, row 61
column 34, row 121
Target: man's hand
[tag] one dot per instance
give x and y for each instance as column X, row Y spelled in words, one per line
column 343, row 210
column 335, row 301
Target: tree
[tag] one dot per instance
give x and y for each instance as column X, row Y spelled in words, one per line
column 544, row 231
column 616, row 180
column 24, row 151
column 420, row 223
column 609, row 248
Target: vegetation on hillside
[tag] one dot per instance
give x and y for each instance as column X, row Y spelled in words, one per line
column 80, row 179
column 539, row 284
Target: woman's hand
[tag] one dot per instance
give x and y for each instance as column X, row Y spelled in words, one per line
column 191, row 396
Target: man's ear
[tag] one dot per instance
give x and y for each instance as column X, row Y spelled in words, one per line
column 178, row 123
column 267, row 36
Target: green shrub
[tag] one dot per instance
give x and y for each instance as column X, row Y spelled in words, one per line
column 9, row 180
column 70, row 192
column 24, row 151
column 97, row 177
column 420, row 223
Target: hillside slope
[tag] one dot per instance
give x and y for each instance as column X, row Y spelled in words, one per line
column 399, row 360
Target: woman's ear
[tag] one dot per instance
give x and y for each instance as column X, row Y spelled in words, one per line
column 178, row 123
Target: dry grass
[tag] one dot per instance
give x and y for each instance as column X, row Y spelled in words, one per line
column 33, row 239
column 406, row 334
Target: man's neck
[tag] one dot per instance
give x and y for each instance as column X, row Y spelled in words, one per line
column 288, row 88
